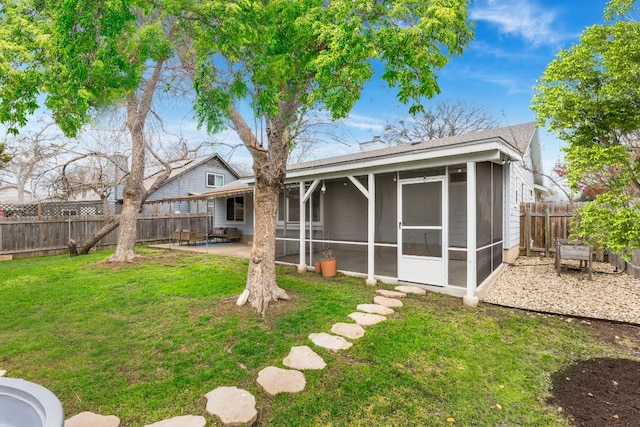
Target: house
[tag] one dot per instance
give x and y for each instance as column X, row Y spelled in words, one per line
column 188, row 178
column 192, row 177
column 10, row 194
column 443, row 214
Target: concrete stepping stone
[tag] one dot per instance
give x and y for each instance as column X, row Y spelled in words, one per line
column 302, row 357
column 375, row 309
column 348, row 330
column 410, row 289
column 234, row 406
column 391, row 294
column 277, row 380
column 3, row 372
column 387, row 302
column 89, row 419
column 367, row 319
column 330, row 342
column 182, row 421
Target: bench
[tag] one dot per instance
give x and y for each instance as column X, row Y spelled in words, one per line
column 188, row 236
column 223, row 234
column 574, row 250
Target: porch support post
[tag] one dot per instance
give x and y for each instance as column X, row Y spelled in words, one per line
column 371, row 232
column 302, row 266
column 470, row 298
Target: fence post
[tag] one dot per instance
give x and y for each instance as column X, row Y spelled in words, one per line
column 547, row 233
column 527, row 230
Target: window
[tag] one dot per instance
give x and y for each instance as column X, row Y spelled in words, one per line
column 289, row 202
column 214, row 179
column 235, row 208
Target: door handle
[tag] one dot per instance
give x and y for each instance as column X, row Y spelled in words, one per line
column 400, row 225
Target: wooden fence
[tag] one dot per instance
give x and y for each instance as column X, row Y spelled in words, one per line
column 24, row 237
column 632, row 267
column 542, row 223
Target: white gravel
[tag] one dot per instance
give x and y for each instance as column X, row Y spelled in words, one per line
column 532, row 284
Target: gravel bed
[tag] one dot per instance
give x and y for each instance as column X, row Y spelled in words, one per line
column 532, row 284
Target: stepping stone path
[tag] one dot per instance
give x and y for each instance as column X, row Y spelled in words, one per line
column 367, row 319
column 3, row 372
column 348, row 330
column 330, row 342
column 277, row 380
column 237, row 407
column 391, row 294
column 387, row 302
column 374, row 309
column 410, row 290
column 234, row 406
column 302, row 357
column 86, row 419
column 183, row 421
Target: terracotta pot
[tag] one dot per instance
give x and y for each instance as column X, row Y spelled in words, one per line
column 318, row 267
column 329, row 267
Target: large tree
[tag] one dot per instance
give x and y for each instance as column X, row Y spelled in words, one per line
column 268, row 61
column 590, row 96
column 84, row 55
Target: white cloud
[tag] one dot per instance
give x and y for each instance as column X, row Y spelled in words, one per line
column 521, row 18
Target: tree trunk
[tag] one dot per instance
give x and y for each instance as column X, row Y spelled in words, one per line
column 134, row 190
column 86, row 246
column 261, row 276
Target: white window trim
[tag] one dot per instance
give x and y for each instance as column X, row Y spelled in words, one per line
column 214, row 180
column 244, row 211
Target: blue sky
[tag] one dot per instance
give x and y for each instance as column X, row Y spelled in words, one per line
column 514, row 42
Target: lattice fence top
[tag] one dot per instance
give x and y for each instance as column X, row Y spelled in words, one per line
column 66, row 209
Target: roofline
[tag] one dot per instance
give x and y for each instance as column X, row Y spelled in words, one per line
column 487, row 149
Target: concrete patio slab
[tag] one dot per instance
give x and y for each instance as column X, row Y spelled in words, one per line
column 375, row 309
column 330, row 342
column 277, row 380
column 303, row 357
column 181, row 421
column 89, row 419
column 366, row 319
column 348, row 330
column 234, row 406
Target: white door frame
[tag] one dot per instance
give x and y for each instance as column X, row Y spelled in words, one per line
column 427, row 270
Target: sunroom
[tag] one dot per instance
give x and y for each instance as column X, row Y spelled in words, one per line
column 434, row 214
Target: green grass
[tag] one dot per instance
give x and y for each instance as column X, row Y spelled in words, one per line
column 145, row 342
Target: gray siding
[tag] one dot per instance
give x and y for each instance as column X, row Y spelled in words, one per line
column 193, row 181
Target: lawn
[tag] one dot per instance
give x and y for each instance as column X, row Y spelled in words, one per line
column 145, row 342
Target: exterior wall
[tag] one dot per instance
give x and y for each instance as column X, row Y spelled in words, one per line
column 193, row 181
column 345, row 212
column 10, row 195
column 220, row 216
column 521, row 189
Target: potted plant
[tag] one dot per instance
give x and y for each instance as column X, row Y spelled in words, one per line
column 328, row 263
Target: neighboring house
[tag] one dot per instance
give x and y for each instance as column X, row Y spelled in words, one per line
column 193, row 177
column 188, row 178
column 442, row 213
column 10, row 194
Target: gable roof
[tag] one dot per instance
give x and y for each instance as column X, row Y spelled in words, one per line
column 518, row 137
column 185, row 166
